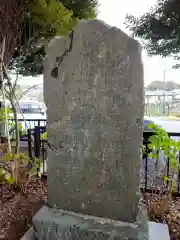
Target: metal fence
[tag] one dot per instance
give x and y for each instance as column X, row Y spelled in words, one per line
column 150, row 179
column 37, row 147
column 30, row 123
column 30, row 141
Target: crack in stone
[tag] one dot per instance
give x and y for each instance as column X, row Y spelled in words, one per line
column 60, row 59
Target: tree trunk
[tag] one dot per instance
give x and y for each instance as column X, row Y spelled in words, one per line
column 16, row 159
column 2, row 129
column 16, row 127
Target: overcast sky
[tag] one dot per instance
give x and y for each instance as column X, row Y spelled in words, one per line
column 113, row 12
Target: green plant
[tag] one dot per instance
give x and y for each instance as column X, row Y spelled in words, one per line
column 16, row 169
column 161, row 143
column 158, row 28
column 29, row 25
column 12, row 131
column 5, row 176
column 2, row 113
column 36, row 166
column 11, row 124
column 44, row 136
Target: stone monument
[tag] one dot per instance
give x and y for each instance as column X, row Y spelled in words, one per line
column 93, row 90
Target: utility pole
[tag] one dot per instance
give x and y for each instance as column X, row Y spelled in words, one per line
column 164, row 100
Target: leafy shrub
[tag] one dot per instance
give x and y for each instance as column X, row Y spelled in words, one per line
column 161, row 143
column 44, row 136
column 11, row 124
column 15, row 169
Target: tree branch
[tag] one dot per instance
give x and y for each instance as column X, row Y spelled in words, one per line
column 26, row 91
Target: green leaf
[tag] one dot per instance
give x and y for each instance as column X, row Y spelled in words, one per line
column 173, row 163
column 165, row 178
column 159, row 31
column 44, row 136
column 152, row 126
column 43, row 20
column 178, row 144
column 2, row 172
column 143, row 149
column 154, row 140
column 33, row 169
column 9, row 110
column 20, row 127
column 151, row 146
column 8, row 156
column 38, row 163
column 10, row 180
column 155, row 156
column 150, row 155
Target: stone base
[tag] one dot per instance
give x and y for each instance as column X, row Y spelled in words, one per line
column 52, row 224
column 29, row 235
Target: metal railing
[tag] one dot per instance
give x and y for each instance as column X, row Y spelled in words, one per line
column 30, row 141
column 30, row 123
column 150, row 179
column 37, row 148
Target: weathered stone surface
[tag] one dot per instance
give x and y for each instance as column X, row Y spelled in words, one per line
column 29, row 235
column 93, row 89
column 52, row 224
column 157, row 231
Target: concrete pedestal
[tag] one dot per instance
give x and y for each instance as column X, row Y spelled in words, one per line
column 51, row 224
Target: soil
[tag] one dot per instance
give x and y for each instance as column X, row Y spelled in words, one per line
column 164, row 211
column 17, row 209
